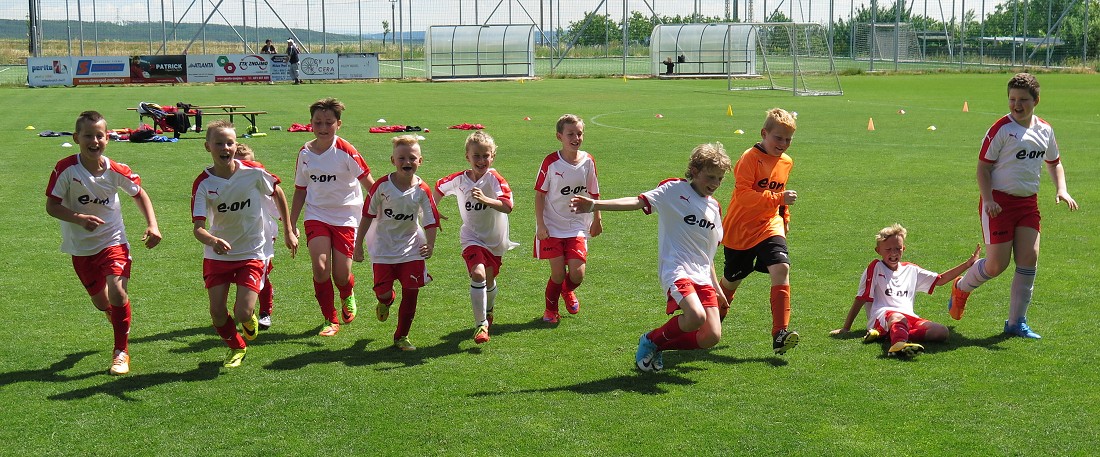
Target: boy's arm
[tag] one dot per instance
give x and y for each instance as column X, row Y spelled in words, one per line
column 428, row 247
column 540, row 226
column 367, row 182
column 985, row 188
column 299, row 200
column 493, row 203
column 58, row 210
column 360, row 234
column 1058, row 175
column 205, row 237
column 581, row 204
column 597, row 224
column 852, row 313
column 152, row 236
column 953, row 273
column 289, row 238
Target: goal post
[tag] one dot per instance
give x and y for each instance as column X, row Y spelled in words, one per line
column 789, row 56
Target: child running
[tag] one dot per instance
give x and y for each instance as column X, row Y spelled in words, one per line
column 402, row 238
column 757, row 222
column 484, row 201
column 1009, row 165
column 561, row 236
column 230, row 194
column 271, row 211
column 688, row 232
column 888, row 290
column 83, row 194
column 328, row 181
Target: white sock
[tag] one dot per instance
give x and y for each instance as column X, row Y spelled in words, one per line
column 491, row 296
column 974, row 277
column 477, row 302
column 1023, row 283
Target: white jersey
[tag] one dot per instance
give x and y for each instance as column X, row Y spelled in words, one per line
column 76, row 189
column 1017, row 154
column 560, row 180
column 688, row 232
column 271, row 227
column 331, row 180
column 893, row 290
column 481, row 225
column 400, row 217
column 233, row 209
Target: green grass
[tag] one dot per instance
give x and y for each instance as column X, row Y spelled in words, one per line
column 569, row 390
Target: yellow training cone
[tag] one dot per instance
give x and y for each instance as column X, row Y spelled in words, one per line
column 966, row 107
column 870, row 123
column 729, row 110
column 29, row 127
column 739, row 132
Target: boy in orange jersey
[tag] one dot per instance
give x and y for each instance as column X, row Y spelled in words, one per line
column 1014, row 152
column 83, row 194
column 757, row 221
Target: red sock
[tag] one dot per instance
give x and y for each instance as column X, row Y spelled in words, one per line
column 686, row 341
column 267, row 297
column 918, row 333
column 407, row 312
column 569, row 285
column 668, row 332
column 899, row 331
column 728, row 293
column 228, row 332
column 120, row 322
column 553, row 292
column 326, row 299
column 347, row 289
column 781, row 307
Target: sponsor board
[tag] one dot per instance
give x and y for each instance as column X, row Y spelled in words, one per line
column 357, row 66
column 49, row 71
column 317, row 66
column 158, row 69
column 100, row 70
column 280, row 67
column 228, row 68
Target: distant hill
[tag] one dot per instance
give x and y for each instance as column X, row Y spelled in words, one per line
column 139, row 31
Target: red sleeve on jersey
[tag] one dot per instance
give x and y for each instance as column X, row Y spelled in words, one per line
column 541, row 179
column 57, row 170
column 868, row 282
column 194, row 195
column 505, row 189
column 125, row 170
column 431, row 201
column 647, row 207
column 343, row 145
column 447, row 179
column 989, row 135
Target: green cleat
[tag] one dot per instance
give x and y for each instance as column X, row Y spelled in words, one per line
column 234, row 358
column 871, row 336
column 404, row 344
column 382, row 311
column 251, row 328
column 349, row 309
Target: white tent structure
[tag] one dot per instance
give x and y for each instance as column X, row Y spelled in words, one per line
column 700, row 50
column 479, row 51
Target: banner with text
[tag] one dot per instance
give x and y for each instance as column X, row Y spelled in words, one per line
column 158, row 69
column 49, row 71
column 358, row 66
column 101, row 70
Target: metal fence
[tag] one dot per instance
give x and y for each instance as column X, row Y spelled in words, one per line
column 573, row 37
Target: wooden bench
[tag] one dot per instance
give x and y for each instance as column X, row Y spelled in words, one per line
column 226, row 110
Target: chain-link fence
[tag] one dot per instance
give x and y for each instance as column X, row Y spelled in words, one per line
column 573, row 37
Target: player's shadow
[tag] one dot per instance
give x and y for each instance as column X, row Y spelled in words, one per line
column 641, row 383
column 121, row 387
column 959, row 340
column 52, row 373
column 205, row 338
column 674, row 357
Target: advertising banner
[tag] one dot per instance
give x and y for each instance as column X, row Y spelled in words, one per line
column 317, row 66
column 280, row 67
column 49, row 71
column 100, row 70
column 225, row 68
column 158, row 69
column 358, row 66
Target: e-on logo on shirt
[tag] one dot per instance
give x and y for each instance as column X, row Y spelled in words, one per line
column 1025, row 154
column 692, row 219
column 770, row 185
column 397, row 216
column 235, row 206
column 88, row 199
column 573, row 190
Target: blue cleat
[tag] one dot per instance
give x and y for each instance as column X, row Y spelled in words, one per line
column 1021, row 329
column 646, row 355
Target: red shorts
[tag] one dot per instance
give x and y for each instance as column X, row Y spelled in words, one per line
column 1015, row 212
column 478, row 255
column 343, row 238
column 914, row 322
column 571, row 248
column 683, row 288
column 93, row 270
column 411, row 275
column 243, row 273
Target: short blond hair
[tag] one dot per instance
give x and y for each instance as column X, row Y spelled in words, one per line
column 779, row 116
column 569, row 119
column 890, row 232
column 405, row 140
column 708, row 155
column 483, row 139
column 244, row 149
column 220, row 124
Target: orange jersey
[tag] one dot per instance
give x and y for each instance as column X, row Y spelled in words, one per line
column 756, row 211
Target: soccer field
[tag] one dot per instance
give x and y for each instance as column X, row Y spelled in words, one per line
column 568, row 389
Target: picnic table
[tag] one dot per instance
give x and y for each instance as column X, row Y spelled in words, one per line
column 213, row 110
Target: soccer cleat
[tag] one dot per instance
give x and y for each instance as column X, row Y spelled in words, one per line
column 234, row 358
column 481, row 334
column 571, row 303
column 659, row 361
column 347, row 312
column 330, row 329
column 265, row 321
column 871, row 336
column 489, row 317
column 956, row 304
column 404, row 344
column 251, row 328
column 784, row 341
column 1021, row 329
column 905, row 349
column 120, row 364
column 551, row 317
column 647, row 352
column 382, row 311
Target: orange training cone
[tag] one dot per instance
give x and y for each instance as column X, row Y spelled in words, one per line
column 966, row 107
column 870, row 123
column 659, row 116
